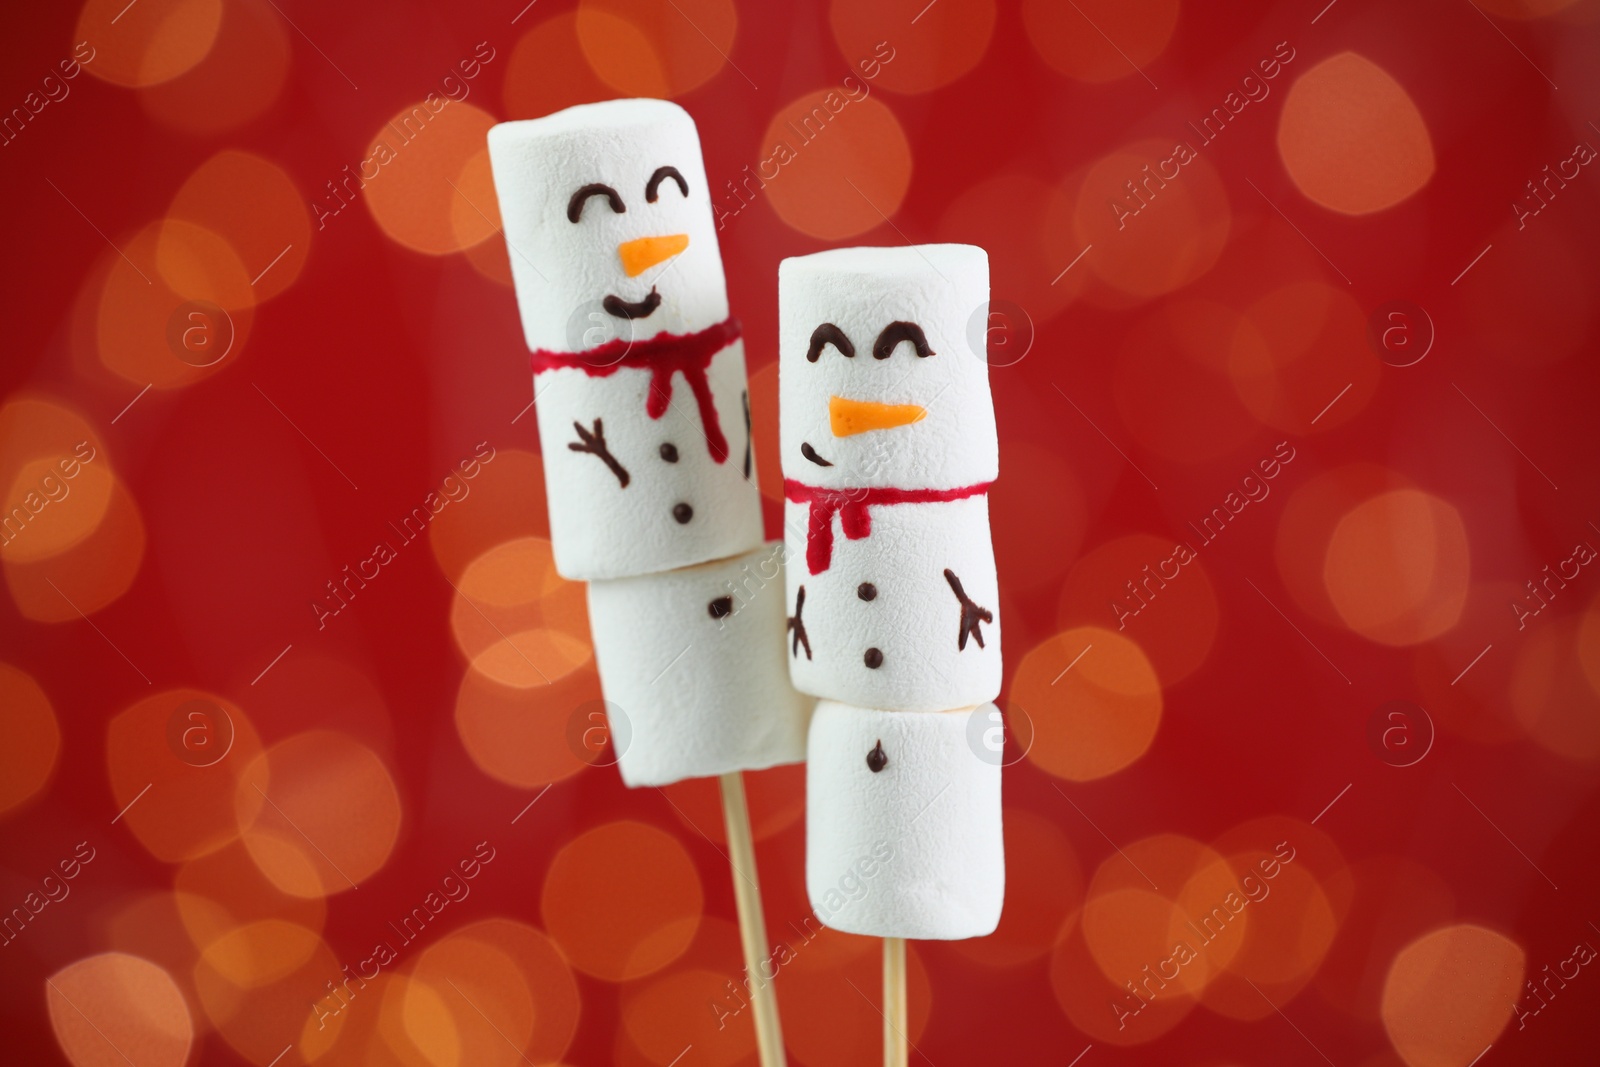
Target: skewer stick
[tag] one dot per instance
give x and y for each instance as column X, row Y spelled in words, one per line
column 752, row 921
column 894, row 1003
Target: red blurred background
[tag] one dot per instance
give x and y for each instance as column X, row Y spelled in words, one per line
column 1292, row 349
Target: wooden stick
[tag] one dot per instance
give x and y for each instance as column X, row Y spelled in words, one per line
column 752, row 921
column 894, row 1003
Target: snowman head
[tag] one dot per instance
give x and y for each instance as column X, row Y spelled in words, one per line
column 879, row 383
column 607, row 220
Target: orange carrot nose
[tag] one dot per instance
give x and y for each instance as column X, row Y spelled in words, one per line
column 641, row 254
column 849, row 417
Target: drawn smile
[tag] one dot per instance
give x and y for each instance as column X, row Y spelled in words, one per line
column 622, row 309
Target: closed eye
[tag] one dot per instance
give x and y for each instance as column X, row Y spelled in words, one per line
column 829, row 334
column 896, row 332
column 581, row 197
column 661, row 174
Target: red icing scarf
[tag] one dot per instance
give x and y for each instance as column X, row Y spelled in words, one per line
column 662, row 355
column 854, row 518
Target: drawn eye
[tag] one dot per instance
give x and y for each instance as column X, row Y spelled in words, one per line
column 829, row 334
column 896, row 332
column 656, row 179
column 581, row 197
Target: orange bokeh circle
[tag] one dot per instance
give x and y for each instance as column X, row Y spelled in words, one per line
column 1397, row 567
column 1163, row 233
column 1352, row 138
column 495, row 992
column 148, row 43
column 1450, row 992
column 238, row 80
column 622, row 900
column 412, row 177
column 104, row 1004
column 179, row 807
column 253, row 204
column 520, row 736
column 319, row 812
column 547, row 72
column 1094, row 701
column 834, row 167
column 657, row 48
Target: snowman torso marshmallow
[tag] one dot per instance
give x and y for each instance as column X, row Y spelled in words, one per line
column 888, row 448
column 639, row 376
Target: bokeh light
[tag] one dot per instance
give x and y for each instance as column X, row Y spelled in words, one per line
column 1094, row 701
column 240, row 77
column 547, row 72
column 1352, row 138
column 1154, row 215
column 1551, row 695
column 114, row 1009
column 1449, row 994
column 495, row 992
column 520, row 736
column 826, row 1022
column 656, row 48
column 832, row 166
column 412, row 177
column 175, row 808
column 154, row 44
column 319, row 813
column 1397, row 567
column 251, row 203
column 622, row 900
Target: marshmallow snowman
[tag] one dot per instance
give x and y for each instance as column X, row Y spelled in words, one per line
column 693, row 659
column 639, row 377
column 889, row 447
column 644, row 424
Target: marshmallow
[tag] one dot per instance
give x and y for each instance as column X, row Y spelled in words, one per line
column 639, row 372
column 896, row 619
column 874, row 298
column 889, row 446
column 914, row 847
column 692, row 660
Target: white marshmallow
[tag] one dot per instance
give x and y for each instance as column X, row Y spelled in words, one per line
column 915, row 849
column 902, row 502
column 600, row 528
column 564, row 271
column 913, row 619
column 943, row 289
column 703, row 693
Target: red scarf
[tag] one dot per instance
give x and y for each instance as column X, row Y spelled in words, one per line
column 662, row 355
column 854, row 518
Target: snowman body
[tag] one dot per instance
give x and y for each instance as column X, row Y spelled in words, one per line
column 889, row 447
column 882, row 624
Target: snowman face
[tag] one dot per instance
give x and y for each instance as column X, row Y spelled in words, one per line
column 878, row 382
column 608, row 224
